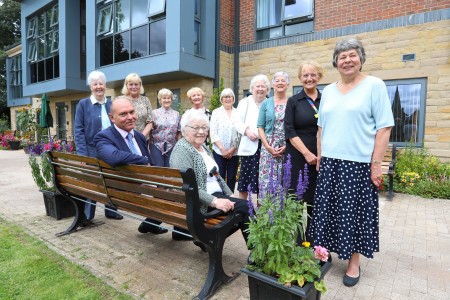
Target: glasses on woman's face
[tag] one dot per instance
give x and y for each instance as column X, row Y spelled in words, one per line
column 197, row 129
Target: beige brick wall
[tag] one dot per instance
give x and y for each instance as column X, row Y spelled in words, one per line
column 384, row 49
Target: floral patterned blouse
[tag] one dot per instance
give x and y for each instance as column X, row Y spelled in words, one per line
column 143, row 109
column 166, row 125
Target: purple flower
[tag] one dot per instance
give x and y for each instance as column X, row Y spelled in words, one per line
column 270, row 216
column 305, row 176
column 287, row 173
column 271, row 187
column 300, row 186
column 251, row 209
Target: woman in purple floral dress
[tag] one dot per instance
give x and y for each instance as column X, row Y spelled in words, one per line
column 271, row 131
column 166, row 129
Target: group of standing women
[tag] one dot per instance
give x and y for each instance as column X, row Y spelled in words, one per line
column 339, row 136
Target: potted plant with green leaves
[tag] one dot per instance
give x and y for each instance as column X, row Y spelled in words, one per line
column 56, row 205
column 279, row 268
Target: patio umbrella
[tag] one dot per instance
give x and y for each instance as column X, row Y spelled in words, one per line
column 45, row 118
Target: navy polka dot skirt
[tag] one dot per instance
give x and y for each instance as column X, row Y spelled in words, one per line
column 249, row 172
column 346, row 209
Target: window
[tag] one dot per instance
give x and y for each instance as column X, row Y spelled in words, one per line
column 132, row 32
column 15, row 75
column 407, row 98
column 156, row 7
column 408, row 106
column 43, row 45
column 54, row 17
column 104, row 22
column 197, row 27
column 31, row 28
column 293, row 9
column 276, row 18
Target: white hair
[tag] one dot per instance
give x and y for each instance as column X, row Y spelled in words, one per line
column 192, row 115
column 95, row 75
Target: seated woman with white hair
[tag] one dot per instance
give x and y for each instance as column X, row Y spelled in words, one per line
column 191, row 152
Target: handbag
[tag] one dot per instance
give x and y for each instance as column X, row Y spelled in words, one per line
column 236, row 136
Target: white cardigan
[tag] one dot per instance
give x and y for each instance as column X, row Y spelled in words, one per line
column 247, row 147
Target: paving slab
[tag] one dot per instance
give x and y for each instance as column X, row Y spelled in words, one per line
column 413, row 262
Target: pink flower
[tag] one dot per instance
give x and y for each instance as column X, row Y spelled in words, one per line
column 47, row 147
column 321, row 253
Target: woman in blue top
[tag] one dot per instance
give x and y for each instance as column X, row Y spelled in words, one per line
column 271, row 131
column 355, row 121
column 91, row 117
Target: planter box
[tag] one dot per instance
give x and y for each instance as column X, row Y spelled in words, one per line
column 14, row 145
column 57, row 206
column 264, row 287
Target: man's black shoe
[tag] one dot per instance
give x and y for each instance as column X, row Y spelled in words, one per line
column 145, row 228
column 85, row 223
column 181, row 237
column 115, row 217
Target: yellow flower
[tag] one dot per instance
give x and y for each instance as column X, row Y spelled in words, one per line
column 306, row 244
column 411, row 184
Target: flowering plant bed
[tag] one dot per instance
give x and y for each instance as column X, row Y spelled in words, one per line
column 41, row 169
column 273, row 232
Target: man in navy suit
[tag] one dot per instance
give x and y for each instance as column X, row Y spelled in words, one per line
column 120, row 144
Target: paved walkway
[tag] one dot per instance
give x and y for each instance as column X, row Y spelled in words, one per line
column 414, row 261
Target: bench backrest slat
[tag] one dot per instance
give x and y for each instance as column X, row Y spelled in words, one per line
column 162, row 215
column 146, row 200
column 167, row 194
column 76, row 190
column 79, row 175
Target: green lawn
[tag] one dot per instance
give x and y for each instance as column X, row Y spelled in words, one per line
column 30, row 270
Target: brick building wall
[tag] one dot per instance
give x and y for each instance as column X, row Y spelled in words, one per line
column 227, row 22
column 335, row 14
column 384, row 49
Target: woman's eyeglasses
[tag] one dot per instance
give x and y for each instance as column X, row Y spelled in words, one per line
column 197, row 129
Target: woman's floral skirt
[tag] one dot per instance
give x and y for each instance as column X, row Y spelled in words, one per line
column 345, row 217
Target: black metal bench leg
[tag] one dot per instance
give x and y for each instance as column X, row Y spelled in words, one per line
column 79, row 218
column 216, row 275
column 391, row 187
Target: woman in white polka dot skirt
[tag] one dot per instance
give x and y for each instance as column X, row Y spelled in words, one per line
column 355, row 121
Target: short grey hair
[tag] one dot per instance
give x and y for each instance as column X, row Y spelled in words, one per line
column 227, row 92
column 192, row 115
column 95, row 75
column 260, row 77
column 346, row 45
column 164, row 92
column 281, row 74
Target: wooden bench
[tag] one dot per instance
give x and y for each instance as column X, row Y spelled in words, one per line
column 165, row 194
column 388, row 167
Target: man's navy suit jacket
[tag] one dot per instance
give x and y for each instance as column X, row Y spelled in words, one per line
column 114, row 150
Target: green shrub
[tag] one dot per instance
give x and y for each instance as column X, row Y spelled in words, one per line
column 4, row 123
column 422, row 174
column 215, row 98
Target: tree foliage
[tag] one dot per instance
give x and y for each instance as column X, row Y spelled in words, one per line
column 10, row 34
